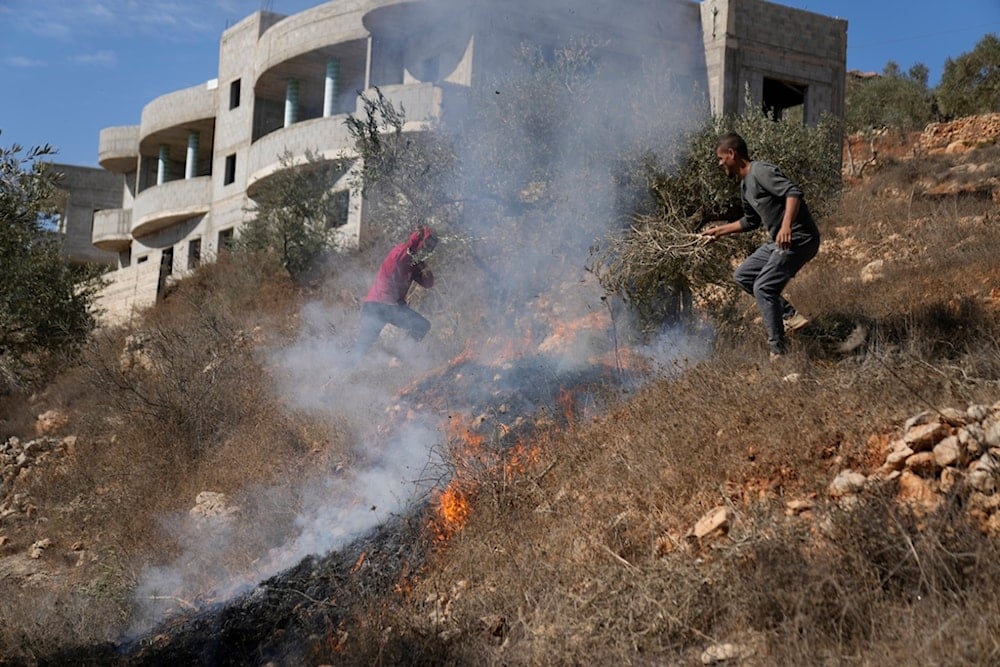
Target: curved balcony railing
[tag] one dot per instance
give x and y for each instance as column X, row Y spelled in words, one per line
column 311, row 30
column 325, row 137
column 118, row 148
column 112, row 229
column 420, row 102
column 177, row 109
column 162, row 205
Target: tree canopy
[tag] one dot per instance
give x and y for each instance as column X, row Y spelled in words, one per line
column 970, row 83
column 45, row 304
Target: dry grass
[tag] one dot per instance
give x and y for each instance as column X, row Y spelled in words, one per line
column 584, row 558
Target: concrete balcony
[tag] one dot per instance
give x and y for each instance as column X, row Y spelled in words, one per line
column 112, row 229
column 421, row 102
column 118, row 148
column 160, row 206
column 180, row 108
column 325, row 137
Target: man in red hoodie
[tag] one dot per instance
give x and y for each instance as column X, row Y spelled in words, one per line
column 385, row 302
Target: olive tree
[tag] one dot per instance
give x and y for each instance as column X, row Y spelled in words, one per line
column 46, row 305
column 296, row 213
column 970, row 84
column 900, row 101
column 658, row 263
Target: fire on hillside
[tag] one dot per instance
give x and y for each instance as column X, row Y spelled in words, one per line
column 491, row 419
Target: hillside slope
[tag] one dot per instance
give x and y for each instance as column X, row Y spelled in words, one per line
column 684, row 519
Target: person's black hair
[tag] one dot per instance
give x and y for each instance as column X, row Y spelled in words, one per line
column 734, row 142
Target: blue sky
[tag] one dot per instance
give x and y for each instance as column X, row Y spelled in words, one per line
column 69, row 68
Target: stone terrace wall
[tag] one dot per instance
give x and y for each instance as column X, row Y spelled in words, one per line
column 961, row 134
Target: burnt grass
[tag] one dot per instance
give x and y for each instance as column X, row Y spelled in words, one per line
column 297, row 617
column 291, row 618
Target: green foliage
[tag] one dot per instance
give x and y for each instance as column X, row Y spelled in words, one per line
column 658, row 259
column 970, row 84
column 297, row 213
column 45, row 305
column 407, row 178
column 897, row 100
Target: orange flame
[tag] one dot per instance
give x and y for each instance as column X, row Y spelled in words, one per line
column 453, row 510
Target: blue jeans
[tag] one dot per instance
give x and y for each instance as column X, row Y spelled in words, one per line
column 764, row 275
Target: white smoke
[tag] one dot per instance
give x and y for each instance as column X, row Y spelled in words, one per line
column 314, row 372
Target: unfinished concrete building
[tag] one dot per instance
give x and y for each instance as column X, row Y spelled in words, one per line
column 191, row 166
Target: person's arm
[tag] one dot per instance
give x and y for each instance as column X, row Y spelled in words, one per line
column 422, row 275
column 784, row 237
column 713, row 234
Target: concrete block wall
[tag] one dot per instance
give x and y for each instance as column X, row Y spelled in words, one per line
column 133, row 290
column 747, row 41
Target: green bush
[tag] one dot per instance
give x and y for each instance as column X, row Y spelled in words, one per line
column 296, row 214
column 45, row 304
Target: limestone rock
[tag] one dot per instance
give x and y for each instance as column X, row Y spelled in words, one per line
column 918, row 492
column 715, row 522
column 210, row 505
column 948, row 452
column 923, row 437
column 846, row 483
column 50, row 421
column 873, row 271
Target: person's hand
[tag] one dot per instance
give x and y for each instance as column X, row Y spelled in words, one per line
column 783, row 239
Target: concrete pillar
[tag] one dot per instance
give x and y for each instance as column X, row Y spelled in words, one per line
column 191, row 164
column 161, row 164
column 332, row 90
column 291, row 102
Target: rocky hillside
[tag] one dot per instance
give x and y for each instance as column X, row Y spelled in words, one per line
column 839, row 506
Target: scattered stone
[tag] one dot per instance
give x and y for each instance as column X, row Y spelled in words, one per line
column 950, row 477
column 210, row 505
column 50, row 421
column 717, row 653
column 923, row 464
column 918, row 492
column 977, row 412
column 948, row 452
column 38, row 547
column 896, row 460
column 923, row 437
column 715, row 522
column 873, row 271
column 801, row 506
column 846, row 483
column 984, row 474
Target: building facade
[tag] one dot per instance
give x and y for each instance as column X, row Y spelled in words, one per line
column 188, row 171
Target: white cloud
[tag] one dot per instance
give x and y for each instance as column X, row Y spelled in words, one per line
column 177, row 20
column 102, row 58
column 22, row 61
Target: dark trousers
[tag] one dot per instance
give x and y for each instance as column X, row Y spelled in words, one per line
column 764, row 275
column 374, row 317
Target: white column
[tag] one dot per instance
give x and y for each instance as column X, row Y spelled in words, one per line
column 331, row 90
column 191, row 165
column 161, row 164
column 291, row 102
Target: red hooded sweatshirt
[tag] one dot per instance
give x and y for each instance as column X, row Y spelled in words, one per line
column 398, row 270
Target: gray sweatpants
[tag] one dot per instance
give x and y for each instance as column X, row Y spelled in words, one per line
column 764, row 275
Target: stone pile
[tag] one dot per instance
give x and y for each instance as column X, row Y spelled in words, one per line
column 937, row 453
column 17, row 458
column 961, row 135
